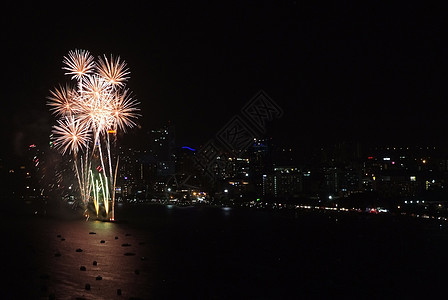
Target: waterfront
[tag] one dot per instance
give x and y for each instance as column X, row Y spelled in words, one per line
column 209, row 252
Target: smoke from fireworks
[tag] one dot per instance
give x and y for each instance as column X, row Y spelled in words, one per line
column 99, row 105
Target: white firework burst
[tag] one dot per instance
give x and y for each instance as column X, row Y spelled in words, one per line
column 78, row 63
column 70, row 135
column 113, row 70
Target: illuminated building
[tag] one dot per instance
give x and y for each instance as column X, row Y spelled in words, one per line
column 405, row 171
column 260, row 163
column 285, row 182
column 162, row 146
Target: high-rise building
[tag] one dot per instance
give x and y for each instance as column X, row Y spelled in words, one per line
column 285, row 182
column 260, row 163
column 162, row 146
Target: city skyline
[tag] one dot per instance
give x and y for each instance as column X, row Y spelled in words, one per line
column 346, row 168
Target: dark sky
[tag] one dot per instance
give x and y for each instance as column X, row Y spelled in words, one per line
column 372, row 73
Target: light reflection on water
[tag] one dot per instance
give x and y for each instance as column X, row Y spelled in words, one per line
column 203, row 253
column 151, row 253
column 63, row 277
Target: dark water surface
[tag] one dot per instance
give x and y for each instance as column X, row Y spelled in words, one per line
column 161, row 252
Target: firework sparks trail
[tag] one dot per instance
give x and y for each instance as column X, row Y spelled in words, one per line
column 100, row 105
column 95, row 193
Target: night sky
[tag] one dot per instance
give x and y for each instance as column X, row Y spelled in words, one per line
column 373, row 73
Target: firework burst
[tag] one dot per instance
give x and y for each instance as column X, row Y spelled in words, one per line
column 100, row 104
column 71, row 135
column 61, row 101
column 78, row 63
column 113, row 71
column 124, row 111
